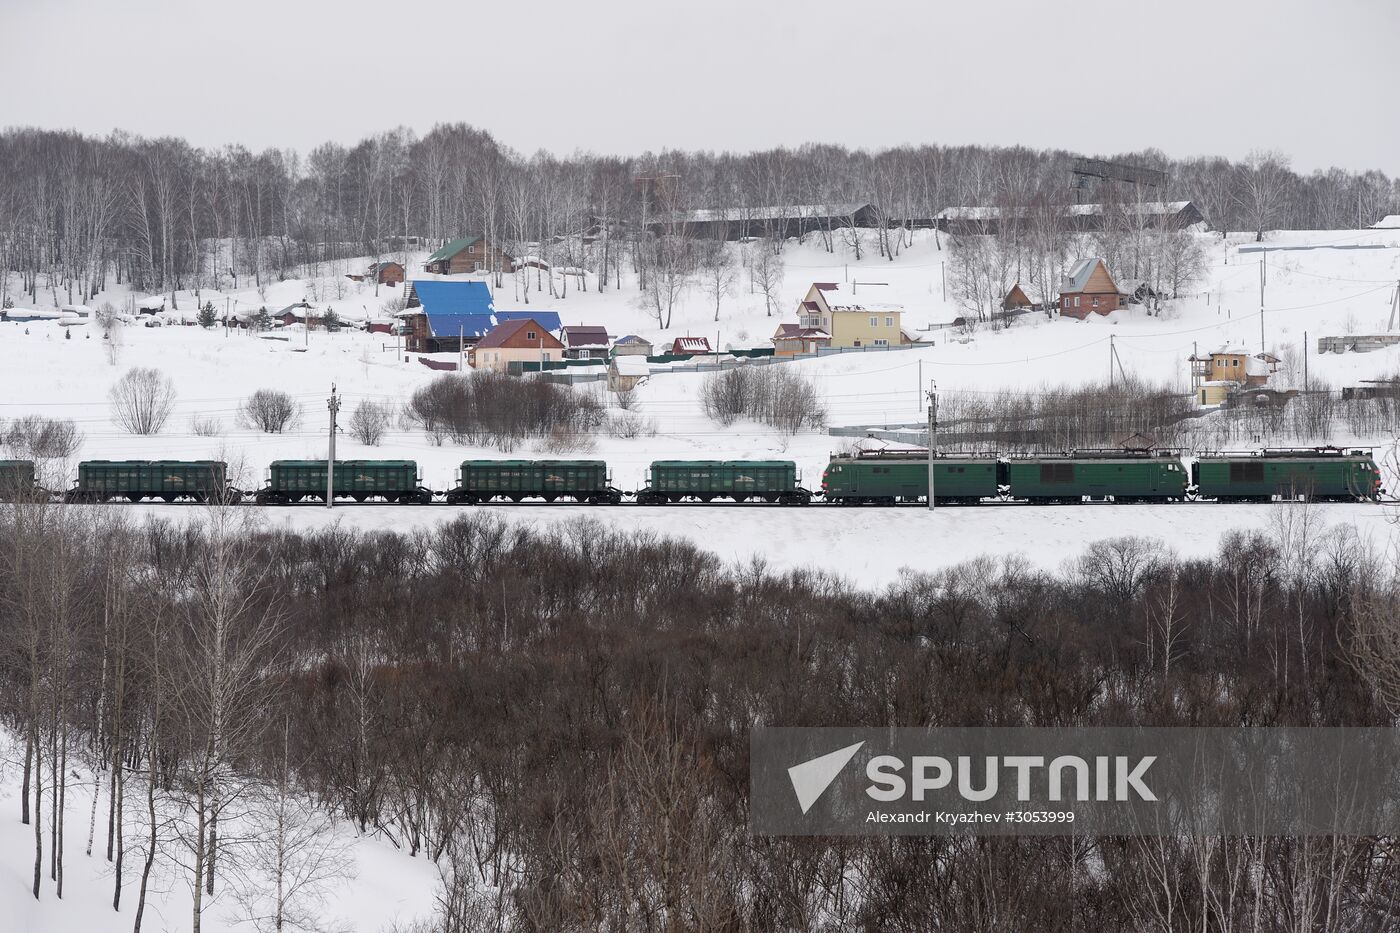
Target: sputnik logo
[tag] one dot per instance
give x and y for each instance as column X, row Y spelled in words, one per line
column 811, row 778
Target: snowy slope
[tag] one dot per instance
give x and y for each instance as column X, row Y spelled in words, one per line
column 387, row 887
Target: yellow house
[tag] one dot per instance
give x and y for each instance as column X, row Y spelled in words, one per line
column 854, row 315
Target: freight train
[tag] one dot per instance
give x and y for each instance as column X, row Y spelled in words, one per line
column 880, row 478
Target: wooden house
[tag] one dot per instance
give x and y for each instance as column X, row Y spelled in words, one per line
column 524, row 340
column 469, row 254
column 385, row 273
column 1016, row 299
column 1089, row 288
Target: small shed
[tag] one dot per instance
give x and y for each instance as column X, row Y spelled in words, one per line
column 625, row 372
column 385, row 273
column 632, row 345
column 1214, row 392
column 683, row 346
column 1016, row 298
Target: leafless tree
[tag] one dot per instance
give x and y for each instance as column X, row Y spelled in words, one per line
column 271, row 411
column 768, row 275
column 1261, row 187
column 142, row 400
column 370, row 420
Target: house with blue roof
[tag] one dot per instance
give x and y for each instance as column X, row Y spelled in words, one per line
column 455, row 315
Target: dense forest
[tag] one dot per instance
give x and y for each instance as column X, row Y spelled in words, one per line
column 560, row 719
column 79, row 213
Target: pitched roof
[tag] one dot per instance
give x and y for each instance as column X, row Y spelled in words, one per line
column 585, row 335
column 454, row 297
column 857, row 296
column 502, row 333
column 630, row 339
column 548, row 319
column 1078, row 277
column 453, row 248
column 692, row 344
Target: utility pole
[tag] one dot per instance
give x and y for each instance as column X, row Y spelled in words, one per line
column 1110, row 361
column 1305, row 361
column 334, row 406
column 461, row 338
column 943, row 274
column 932, row 426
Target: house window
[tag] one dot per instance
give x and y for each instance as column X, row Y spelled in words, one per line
column 889, row 322
column 1096, row 302
column 546, row 355
column 874, row 322
column 1076, row 301
column 530, row 335
column 1064, row 302
column 881, row 342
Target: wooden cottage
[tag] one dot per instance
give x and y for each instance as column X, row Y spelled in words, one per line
column 469, row 254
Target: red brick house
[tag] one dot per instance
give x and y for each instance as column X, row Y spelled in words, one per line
column 1088, row 288
column 469, row 254
column 523, row 340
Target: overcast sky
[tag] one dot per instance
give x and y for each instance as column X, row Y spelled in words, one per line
column 1319, row 81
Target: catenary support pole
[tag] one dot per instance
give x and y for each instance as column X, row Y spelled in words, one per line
column 334, row 406
column 932, row 427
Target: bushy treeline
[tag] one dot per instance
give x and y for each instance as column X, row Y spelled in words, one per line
column 494, row 409
column 560, row 718
column 78, row 213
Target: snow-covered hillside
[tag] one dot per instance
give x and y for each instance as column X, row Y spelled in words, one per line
column 379, row 889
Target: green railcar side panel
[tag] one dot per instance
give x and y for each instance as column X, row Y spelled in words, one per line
column 352, row 477
column 1286, row 476
column 16, row 474
column 152, row 477
column 908, row 479
column 534, row 477
column 1070, row 477
column 722, row 477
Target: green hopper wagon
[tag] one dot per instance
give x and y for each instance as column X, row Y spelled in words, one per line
column 166, row 480
column 707, row 480
column 550, row 480
column 17, row 480
column 360, row 480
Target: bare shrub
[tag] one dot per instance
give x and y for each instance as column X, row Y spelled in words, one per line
column 271, row 411
column 631, row 424
column 501, row 411
column 625, row 398
column 370, row 420
column 142, row 400
column 727, row 396
column 34, row 437
column 206, row 426
column 779, row 397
